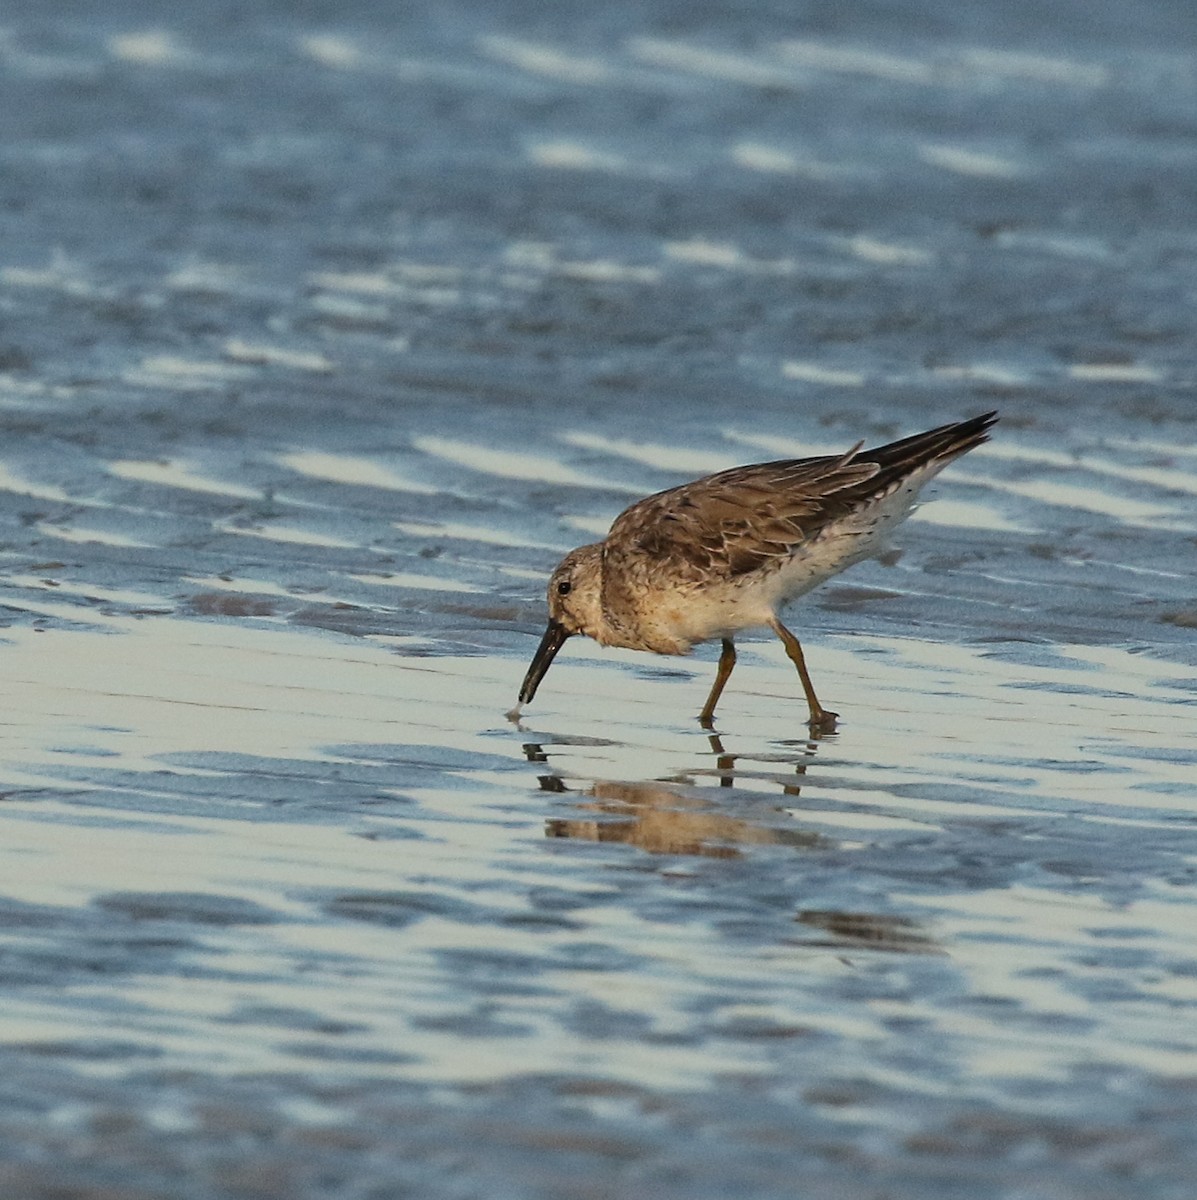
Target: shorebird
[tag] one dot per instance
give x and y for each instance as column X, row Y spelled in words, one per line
column 710, row 558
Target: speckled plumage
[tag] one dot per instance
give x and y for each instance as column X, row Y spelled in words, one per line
column 724, row 553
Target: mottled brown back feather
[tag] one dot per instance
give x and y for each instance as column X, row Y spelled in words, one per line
column 735, row 522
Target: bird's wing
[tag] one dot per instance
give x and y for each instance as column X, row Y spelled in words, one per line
column 734, row 522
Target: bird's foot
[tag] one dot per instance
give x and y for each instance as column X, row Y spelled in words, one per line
column 822, row 721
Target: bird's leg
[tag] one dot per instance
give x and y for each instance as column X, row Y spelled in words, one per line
column 727, row 660
column 821, row 720
column 725, row 763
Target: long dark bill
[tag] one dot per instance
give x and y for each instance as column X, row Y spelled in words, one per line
column 553, row 640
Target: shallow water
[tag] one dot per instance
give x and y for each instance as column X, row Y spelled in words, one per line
column 324, row 337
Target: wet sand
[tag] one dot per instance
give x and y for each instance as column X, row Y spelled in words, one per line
column 323, row 339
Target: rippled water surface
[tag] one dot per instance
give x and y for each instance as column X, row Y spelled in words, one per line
column 325, row 334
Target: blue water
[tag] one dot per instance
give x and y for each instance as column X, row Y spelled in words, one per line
column 326, row 331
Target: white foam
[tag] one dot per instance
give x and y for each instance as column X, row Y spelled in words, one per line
column 664, row 458
column 1061, row 244
column 352, row 469
column 574, row 156
column 530, row 255
column 523, row 573
column 408, row 282
column 10, row 482
column 783, row 447
column 16, row 391
column 291, row 535
column 370, row 283
column 1034, row 67
column 212, row 277
column 549, row 61
column 176, row 475
column 964, row 514
column 257, row 354
column 887, row 253
column 606, row 271
column 72, row 533
column 964, row 161
column 258, row 587
column 808, row 372
column 1086, row 499
column 346, row 308
column 425, row 274
column 713, row 64
column 509, row 464
column 726, row 256
column 995, row 373
column 1115, row 373
column 151, row 47
column 598, row 526
column 765, row 158
column 467, row 533
column 852, row 60
column 756, row 156
column 1169, row 479
column 1148, row 446
column 61, row 275
column 540, row 258
column 331, row 51
column 175, row 371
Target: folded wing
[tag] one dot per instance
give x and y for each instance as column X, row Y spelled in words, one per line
column 734, row 522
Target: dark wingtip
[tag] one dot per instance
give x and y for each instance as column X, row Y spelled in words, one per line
column 984, row 423
column 940, row 444
column 965, row 435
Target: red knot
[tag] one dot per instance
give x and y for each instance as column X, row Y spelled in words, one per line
column 724, row 553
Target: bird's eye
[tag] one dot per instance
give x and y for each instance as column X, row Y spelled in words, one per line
column 563, row 588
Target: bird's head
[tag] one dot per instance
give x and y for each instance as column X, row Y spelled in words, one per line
column 575, row 591
column 575, row 606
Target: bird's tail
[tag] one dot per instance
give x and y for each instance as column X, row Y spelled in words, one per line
column 935, row 447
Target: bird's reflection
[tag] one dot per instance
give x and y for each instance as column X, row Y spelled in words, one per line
column 684, row 814
column 673, row 816
column 663, row 819
column 866, row 931
column 725, row 763
column 778, row 770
